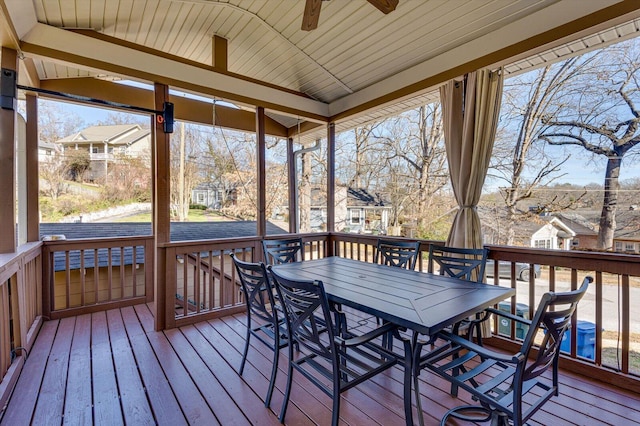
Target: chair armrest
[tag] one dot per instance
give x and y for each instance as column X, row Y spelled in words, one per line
column 359, row 340
column 483, row 351
column 508, row 315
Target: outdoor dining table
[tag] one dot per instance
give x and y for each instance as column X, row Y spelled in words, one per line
column 422, row 302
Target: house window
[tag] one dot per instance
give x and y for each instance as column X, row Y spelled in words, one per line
column 355, row 217
column 629, row 247
column 618, row 246
column 94, row 150
column 546, row 244
column 200, row 198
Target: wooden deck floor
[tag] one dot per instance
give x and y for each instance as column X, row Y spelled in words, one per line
column 111, row 368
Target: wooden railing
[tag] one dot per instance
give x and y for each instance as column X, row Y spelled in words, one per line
column 200, row 280
column 89, row 275
column 196, row 281
column 20, row 311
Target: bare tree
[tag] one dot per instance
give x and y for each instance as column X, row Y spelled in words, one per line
column 184, row 174
column 54, row 173
column 518, row 161
column 416, row 158
column 601, row 115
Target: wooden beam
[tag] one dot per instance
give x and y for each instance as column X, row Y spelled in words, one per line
column 8, row 243
column 219, row 53
column 122, row 58
column 331, row 177
column 186, row 109
column 33, row 186
column 261, row 173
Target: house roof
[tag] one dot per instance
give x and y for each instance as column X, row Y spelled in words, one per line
column 358, row 65
column 121, row 134
column 356, row 197
column 180, row 231
column 360, row 197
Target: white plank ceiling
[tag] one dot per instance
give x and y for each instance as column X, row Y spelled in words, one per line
column 354, row 47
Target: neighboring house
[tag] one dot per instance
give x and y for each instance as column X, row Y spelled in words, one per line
column 47, row 151
column 357, row 211
column 559, row 231
column 210, row 195
column 106, row 143
column 627, row 236
column 207, row 194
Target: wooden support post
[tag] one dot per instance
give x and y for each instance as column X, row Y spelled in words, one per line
column 9, row 63
column 293, row 193
column 33, row 186
column 161, row 202
column 261, row 172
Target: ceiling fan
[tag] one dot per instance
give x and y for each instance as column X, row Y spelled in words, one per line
column 312, row 11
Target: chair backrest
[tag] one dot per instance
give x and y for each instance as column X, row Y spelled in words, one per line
column 465, row 263
column 401, row 254
column 277, row 252
column 256, row 288
column 553, row 316
column 305, row 303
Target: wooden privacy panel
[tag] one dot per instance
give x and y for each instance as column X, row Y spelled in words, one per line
column 84, row 275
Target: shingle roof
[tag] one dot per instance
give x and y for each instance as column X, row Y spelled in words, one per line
column 120, row 134
column 180, row 231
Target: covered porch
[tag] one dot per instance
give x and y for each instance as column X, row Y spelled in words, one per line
column 136, row 329
column 112, row 367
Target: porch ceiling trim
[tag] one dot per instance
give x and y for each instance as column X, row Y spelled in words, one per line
column 45, row 41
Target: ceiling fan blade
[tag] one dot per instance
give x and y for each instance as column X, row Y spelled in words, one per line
column 385, row 6
column 311, row 15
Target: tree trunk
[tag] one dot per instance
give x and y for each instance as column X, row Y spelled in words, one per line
column 609, row 203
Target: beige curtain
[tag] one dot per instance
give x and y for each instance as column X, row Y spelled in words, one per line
column 470, row 110
column 470, row 115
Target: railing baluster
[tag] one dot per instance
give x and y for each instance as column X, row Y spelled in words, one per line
column 625, row 303
column 67, row 279
column 110, row 273
column 82, row 278
column 598, row 313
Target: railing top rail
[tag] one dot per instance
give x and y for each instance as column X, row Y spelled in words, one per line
column 25, row 251
column 91, row 243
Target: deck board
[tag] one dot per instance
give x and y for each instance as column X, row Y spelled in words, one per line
column 78, row 403
column 135, row 406
column 163, row 402
column 106, row 401
column 50, row 400
column 28, row 385
column 120, row 371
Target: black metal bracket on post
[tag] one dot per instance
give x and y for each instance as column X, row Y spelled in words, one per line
column 165, row 116
column 8, row 98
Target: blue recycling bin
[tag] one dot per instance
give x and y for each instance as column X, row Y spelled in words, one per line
column 586, row 340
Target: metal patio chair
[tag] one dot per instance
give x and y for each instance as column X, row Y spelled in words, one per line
column 261, row 305
column 336, row 356
column 277, row 252
column 464, row 263
column 508, row 387
column 401, row 254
